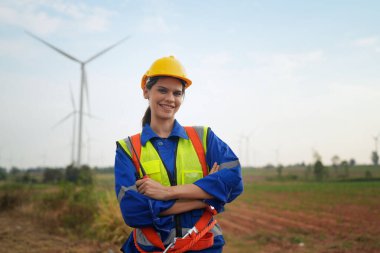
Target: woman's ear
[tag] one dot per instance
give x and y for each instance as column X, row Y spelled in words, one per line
column 146, row 93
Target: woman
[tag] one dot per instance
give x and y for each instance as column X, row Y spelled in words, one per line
column 170, row 179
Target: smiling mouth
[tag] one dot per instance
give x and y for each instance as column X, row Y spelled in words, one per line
column 167, row 107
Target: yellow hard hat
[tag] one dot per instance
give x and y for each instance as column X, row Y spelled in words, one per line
column 166, row 66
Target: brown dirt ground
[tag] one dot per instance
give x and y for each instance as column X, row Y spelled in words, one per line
column 342, row 229
column 248, row 228
column 21, row 234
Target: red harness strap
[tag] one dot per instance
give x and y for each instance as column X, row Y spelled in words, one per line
column 137, row 145
column 198, row 238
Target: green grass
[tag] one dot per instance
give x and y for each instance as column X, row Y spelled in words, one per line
column 311, row 195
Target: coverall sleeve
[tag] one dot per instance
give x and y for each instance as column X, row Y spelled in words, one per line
column 226, row 184
column 137, row 209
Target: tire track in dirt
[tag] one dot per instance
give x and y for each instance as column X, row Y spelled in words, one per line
column 247, row 224
column 245, row 218
column 266, row 221
column 230, row 226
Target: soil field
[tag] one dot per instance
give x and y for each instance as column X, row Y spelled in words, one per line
column 270, row 216
column 20, row 234
column 304, row 217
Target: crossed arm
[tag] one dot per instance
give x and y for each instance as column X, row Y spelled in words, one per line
column 188, row 196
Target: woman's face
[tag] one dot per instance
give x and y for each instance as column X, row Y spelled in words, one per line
column 165, row 98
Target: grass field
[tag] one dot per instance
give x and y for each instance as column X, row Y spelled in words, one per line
column 289, row 214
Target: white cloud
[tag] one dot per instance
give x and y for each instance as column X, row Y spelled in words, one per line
column 156, row 24
column 275, row 68
column 98, row 20
column 11, row 48
column 366, row 42
column 36, row 21
column 216, row 60
column 46, row 17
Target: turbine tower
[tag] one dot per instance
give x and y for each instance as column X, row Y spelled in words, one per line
column 83, row 84
column 73, row 114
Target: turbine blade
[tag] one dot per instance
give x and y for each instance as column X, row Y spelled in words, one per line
column 63, row 120
column 72, row 98
column 86, row 89
column 53, row 47
column 107, row 49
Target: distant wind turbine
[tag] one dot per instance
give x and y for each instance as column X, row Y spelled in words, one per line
column 83, row 84
column 376, row 139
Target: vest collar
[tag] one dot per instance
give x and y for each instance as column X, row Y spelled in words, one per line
column 148, row 133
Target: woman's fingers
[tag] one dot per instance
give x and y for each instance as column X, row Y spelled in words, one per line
column 215, row 168
column 141, row 185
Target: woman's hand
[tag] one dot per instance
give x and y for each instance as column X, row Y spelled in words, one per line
column 215, row 168
column 153, row 189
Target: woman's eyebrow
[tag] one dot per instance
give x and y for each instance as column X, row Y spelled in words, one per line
column 162, row 87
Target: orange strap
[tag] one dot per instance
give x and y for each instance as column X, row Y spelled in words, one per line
column 196, row 240
column 137, row 146
column 198, row 148
column 150, row 234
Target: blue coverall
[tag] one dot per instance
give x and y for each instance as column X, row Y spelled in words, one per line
column 140, row 211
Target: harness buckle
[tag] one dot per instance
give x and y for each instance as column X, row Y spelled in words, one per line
column 171, row 245
column 191, row 230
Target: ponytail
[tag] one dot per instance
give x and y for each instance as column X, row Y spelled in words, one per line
column 149, row 84
column 146, row 118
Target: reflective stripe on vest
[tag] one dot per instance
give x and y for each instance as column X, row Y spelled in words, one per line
column 188, row 166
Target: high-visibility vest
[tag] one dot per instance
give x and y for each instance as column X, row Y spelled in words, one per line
column 190, row 162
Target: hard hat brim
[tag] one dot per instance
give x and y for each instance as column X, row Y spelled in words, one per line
column 187, row 81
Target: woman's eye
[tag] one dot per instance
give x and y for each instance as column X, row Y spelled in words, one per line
column 162, row 91
column 178, row 94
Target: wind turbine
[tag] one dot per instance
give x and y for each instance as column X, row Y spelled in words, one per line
column 73, row 114
column 376, row 140
column 246, row 138
column 83, row 83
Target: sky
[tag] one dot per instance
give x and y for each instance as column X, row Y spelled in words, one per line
column 275, row 80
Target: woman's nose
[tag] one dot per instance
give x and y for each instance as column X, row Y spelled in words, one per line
column 169, row 96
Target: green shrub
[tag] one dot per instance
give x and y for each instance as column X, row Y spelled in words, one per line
column 12, row 196
column 3, row 174
column 368, row 174
column 79, row 209
column 52, row 176
column 82, row 176
column 109, row 224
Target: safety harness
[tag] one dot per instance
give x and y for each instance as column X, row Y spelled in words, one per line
column 197, row 238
